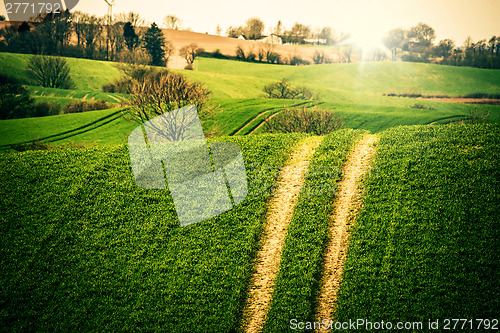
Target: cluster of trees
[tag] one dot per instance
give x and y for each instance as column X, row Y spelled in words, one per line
column 417, row 44
column 125, row 39
column 298, row 34
column 482, row 54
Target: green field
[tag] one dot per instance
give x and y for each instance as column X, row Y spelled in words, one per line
column 85, row 249
column 425, row 246
column 300, row 269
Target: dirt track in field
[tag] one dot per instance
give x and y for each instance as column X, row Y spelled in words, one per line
column 279, row 216
column 346, row 206
column 250, row 121
column 263, row 123
column 462, row 100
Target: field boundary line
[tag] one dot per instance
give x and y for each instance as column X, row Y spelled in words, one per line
column 346, row 206
column 88, row 127
column 263, row 122
column 250, row 121
column 279, row 215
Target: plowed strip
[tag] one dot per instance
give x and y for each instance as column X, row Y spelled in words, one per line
column 347, row 200
column 279, row 216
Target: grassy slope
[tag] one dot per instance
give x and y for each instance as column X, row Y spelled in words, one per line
column 353, row 90
column 63, row 97
column 86, row 74
column 84, row 248
column 100, row 127
column 356, row 90
column 371, row 77
column 425, row 245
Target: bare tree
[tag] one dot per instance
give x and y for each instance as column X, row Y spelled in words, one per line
column 278, row 30
column 172, row 22
column 422, row 33
column 328, row 34
column 51, row 72
column 445, row 47
column 158, row 93
column 76, row 18
column 218, row 30
column 235, row 32
column 394, row 40
column 169, row 50
column 91, row 29
column 132, row 17
column 189, row 52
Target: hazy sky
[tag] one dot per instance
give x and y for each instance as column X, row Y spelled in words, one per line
column 366, row 20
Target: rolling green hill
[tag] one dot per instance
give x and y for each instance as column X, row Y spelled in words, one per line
column 86, row 74
column 354, row 91
column 84, row 248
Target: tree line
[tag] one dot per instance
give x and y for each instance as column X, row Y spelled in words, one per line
column 81, row 35
column 417, row 44
column 298, row 34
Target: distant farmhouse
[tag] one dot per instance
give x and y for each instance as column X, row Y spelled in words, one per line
column 271, row 39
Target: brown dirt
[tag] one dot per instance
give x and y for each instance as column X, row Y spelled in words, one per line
column 346, row 205
column 227, row 46
column 463, row 100
column 279, row 216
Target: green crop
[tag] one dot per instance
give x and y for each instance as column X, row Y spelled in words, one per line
column 425, row 245
column 83, row 248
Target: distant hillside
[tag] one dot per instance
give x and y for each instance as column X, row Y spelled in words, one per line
column 227, row 46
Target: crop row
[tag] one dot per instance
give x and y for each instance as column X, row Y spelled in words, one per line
column 84, row 248
column 425, row 245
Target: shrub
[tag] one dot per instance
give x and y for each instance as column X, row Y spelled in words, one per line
column 477, row 116
column 218, row 54
column 297, row 60
column 482, row 95
column 51, row 72
column 130, row 72
column 321, row 58
column 83, row 106
column 190, row 52
column 15, row 100
column 34, row 145
column 304, row 120
column 240, row 53
column 251, row 56
column 285, row 90
column 164, row 91
column 273, row 57
column 44, row 109
column 421, row 107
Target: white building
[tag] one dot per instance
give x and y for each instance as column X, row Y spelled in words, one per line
column 271, row 39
